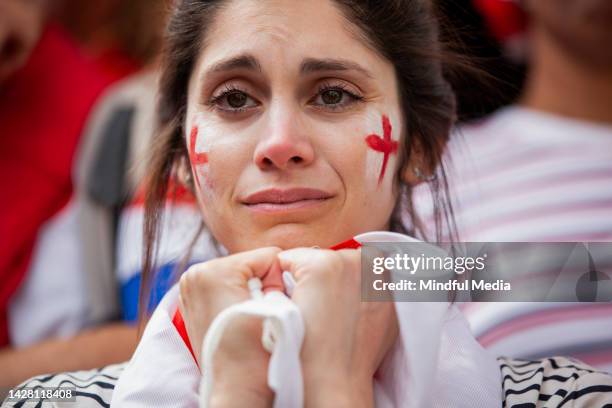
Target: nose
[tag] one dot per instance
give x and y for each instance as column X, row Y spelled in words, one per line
column 286, row 144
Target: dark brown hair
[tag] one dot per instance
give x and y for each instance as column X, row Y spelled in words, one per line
column 403, row 31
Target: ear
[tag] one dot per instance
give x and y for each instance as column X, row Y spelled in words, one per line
column 183, row 173
column 409, row 177
column 412, row 173
column 421, row 165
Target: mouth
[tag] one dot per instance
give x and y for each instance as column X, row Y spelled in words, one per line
column 280, row 200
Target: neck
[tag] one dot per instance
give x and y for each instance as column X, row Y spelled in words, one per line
column 561, row 83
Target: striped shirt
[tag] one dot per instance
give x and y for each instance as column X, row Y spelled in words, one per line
column 552, row 382
column 521, row 175
column 527, row 176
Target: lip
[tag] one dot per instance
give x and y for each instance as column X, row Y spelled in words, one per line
column 274, row 199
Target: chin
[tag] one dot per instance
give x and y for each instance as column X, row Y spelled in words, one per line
column 288, row 236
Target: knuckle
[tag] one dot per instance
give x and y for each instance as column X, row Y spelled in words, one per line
column 197, row 276
column 273, row 250
column 184, row 284
column 326, row 264
column 334, row 261
column 351, row 264
column 181, row 303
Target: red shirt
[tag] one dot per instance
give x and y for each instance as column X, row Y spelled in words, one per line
column 43, row 109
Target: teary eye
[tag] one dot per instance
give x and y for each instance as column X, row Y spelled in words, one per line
column 237, row 99
column 335, row 97
column 331, row 96
column 232, row 100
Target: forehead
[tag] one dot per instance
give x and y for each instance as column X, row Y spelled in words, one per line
column 285, row 32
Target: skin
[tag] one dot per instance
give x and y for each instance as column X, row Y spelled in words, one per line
column 284, row 135
column 570, row 70
column 113, row 343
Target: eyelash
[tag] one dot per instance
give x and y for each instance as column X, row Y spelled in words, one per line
column 343, row 89
column 215, row 101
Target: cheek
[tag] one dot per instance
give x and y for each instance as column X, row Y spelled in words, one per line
column 382, row 144
column 213, row 160
column 366, row 153
column 359, row 158
column 199, row 151
column 225, row 164
column 217, row 197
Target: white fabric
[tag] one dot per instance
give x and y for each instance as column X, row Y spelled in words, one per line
column 162, row 372
column 55, row 272
column 434, row 363
column 282, row 337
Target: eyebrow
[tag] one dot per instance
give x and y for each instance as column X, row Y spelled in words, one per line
column 308, row 66
column 311, row 65
column 244, row 61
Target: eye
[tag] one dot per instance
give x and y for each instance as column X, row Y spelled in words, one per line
column 335, row 97
column 331, row 96
column 237, row 99
column 232, row 100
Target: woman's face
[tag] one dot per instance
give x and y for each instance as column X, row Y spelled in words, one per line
column 293, row 127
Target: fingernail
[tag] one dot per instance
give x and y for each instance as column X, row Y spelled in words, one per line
column 289, row 282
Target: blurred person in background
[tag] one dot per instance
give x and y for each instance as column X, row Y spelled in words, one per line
column 119, row 36
column 52, row 71
column 541, row 169
column 20, row 28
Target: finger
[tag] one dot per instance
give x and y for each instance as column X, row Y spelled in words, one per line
column 260, row 263
column 244, row 265
column 350, row 254
column 293, row 260
column 273, row 280
column 302, row 261
column 289, row 282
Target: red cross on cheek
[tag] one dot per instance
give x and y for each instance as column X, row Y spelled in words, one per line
column 384, row 145
column 196, row 158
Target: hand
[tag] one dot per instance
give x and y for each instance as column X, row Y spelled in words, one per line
column 208, row 288
column 346, row 339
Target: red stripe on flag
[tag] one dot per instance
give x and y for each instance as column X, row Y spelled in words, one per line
column 179, row 324
column 348, row 244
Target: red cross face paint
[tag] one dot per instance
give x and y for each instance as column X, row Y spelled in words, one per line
column 197, row 159
column 381, row 149
column 198, row 156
